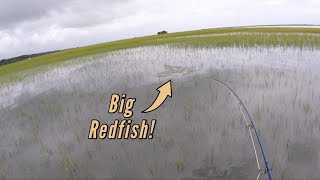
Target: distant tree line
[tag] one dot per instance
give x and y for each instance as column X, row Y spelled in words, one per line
column 162, row 32
column 23, row 57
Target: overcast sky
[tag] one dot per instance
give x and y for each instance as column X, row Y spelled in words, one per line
column 32, row 26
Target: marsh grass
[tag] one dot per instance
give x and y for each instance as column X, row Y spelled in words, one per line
column 239, row 37
column 199, row 129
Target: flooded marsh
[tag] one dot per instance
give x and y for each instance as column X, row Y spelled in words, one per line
column 199, row 133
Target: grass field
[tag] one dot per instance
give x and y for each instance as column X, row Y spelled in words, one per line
column 226, row 37
column 200, row 134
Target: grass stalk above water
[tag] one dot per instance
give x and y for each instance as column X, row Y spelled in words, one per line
column 220, row 37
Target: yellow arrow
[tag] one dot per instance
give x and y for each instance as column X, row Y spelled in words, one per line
column 164, row 91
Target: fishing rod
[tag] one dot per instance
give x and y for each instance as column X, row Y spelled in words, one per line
column 250, row 126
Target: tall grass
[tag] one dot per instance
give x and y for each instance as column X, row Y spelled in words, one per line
column 261, row 36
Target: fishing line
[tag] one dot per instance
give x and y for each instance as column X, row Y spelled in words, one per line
column 250, row 126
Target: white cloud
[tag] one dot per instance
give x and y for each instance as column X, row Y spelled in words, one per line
column 273, row 2
column 63, row 24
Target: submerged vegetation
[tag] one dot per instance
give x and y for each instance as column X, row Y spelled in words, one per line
column 220, row 37
column 200, row 133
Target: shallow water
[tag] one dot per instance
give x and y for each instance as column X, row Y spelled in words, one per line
column 199, row 133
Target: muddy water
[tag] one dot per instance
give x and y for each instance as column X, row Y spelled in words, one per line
column 199, row 132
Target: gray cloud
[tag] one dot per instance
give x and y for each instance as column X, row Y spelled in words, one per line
column 16, row 11
column 68, row 13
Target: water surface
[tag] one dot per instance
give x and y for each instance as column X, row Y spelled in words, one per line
column 199, row 133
